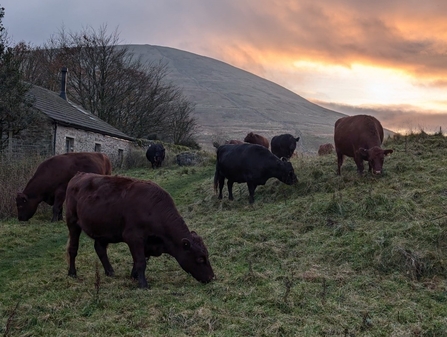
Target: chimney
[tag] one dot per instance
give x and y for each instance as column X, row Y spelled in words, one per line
column 63, row 93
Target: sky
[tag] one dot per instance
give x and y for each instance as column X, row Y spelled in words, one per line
column 387, row 58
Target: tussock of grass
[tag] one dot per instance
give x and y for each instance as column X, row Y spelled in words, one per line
column 333, row 255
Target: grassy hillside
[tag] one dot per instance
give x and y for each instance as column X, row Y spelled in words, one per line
column 230, row 102
column 331, row 256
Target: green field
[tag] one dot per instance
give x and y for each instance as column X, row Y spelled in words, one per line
column 331, row 256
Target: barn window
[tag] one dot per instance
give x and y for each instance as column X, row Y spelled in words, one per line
column 69, row 144
column 97, row 147
column 120, row 157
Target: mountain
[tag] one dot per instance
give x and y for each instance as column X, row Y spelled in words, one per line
column 230, row 102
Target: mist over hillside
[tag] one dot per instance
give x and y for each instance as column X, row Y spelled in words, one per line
column 230, row 102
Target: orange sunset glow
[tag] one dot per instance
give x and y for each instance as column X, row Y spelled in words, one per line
column 387, row 58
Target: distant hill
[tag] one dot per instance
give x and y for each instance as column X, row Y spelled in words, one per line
column 230, row 102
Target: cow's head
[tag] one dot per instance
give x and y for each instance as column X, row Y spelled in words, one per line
column 250, row 137
column 288, row 174
column 26, row 207
column 375, row 157
column 292, row 146
column 193, row 258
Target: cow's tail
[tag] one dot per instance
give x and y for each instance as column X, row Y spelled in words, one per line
column 216, row 177
column 216, row 181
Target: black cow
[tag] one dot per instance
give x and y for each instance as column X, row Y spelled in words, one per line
column 252, row 164
column 155, row 154
column 284, row 145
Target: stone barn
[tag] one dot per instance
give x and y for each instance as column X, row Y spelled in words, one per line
column 66, row 127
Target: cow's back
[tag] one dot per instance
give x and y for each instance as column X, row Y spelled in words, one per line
column 106, row 205
column 236, row 161
column 58, row 170
column 254, row 138
column 354, row 132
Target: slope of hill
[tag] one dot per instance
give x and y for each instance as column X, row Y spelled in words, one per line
column 333, row 255
column 231, row 102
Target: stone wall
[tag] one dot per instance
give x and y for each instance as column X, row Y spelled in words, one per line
column 36, row 140
column 39, row 140
column 85, row 141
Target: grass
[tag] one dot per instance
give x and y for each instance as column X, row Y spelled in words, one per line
column 331, row 256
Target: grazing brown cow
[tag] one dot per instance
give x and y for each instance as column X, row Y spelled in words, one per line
column 284, row 145
column 254, row 138
column 113, row 209
column 360, row 137
column 50, row 180
column 325, row 149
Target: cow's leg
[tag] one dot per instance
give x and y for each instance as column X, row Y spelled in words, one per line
column 339, row 161
column 359, row 161
column 221, row 185
column 101, row 251
column 134, row 273
column 230, row 189
column 251, row 192
column 59, row 199
column 73, row 245
column 139, row 262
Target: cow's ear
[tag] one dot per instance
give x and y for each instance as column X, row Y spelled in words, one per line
column 23, row 197
column 186, row 244
column 363, row 153
column 284, row 159
column 297, row 139
column 387, row 152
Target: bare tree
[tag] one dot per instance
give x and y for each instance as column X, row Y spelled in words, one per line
column 182, row 125
column 106, row 79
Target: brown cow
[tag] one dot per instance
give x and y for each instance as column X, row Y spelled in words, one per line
column 325, row 149
column 113, row 209
column 254, row 138
column 360, row 137
column 50, row 180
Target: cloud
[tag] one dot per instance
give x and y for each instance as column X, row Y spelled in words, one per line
column 398, row 118
column 268, row 37
column 396, row 34
column 405, row 34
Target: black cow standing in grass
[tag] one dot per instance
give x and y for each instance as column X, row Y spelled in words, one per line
column 155, row 154
column 284, row 145
column 252, row 164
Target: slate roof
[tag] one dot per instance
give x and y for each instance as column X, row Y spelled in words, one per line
column 69, row 114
